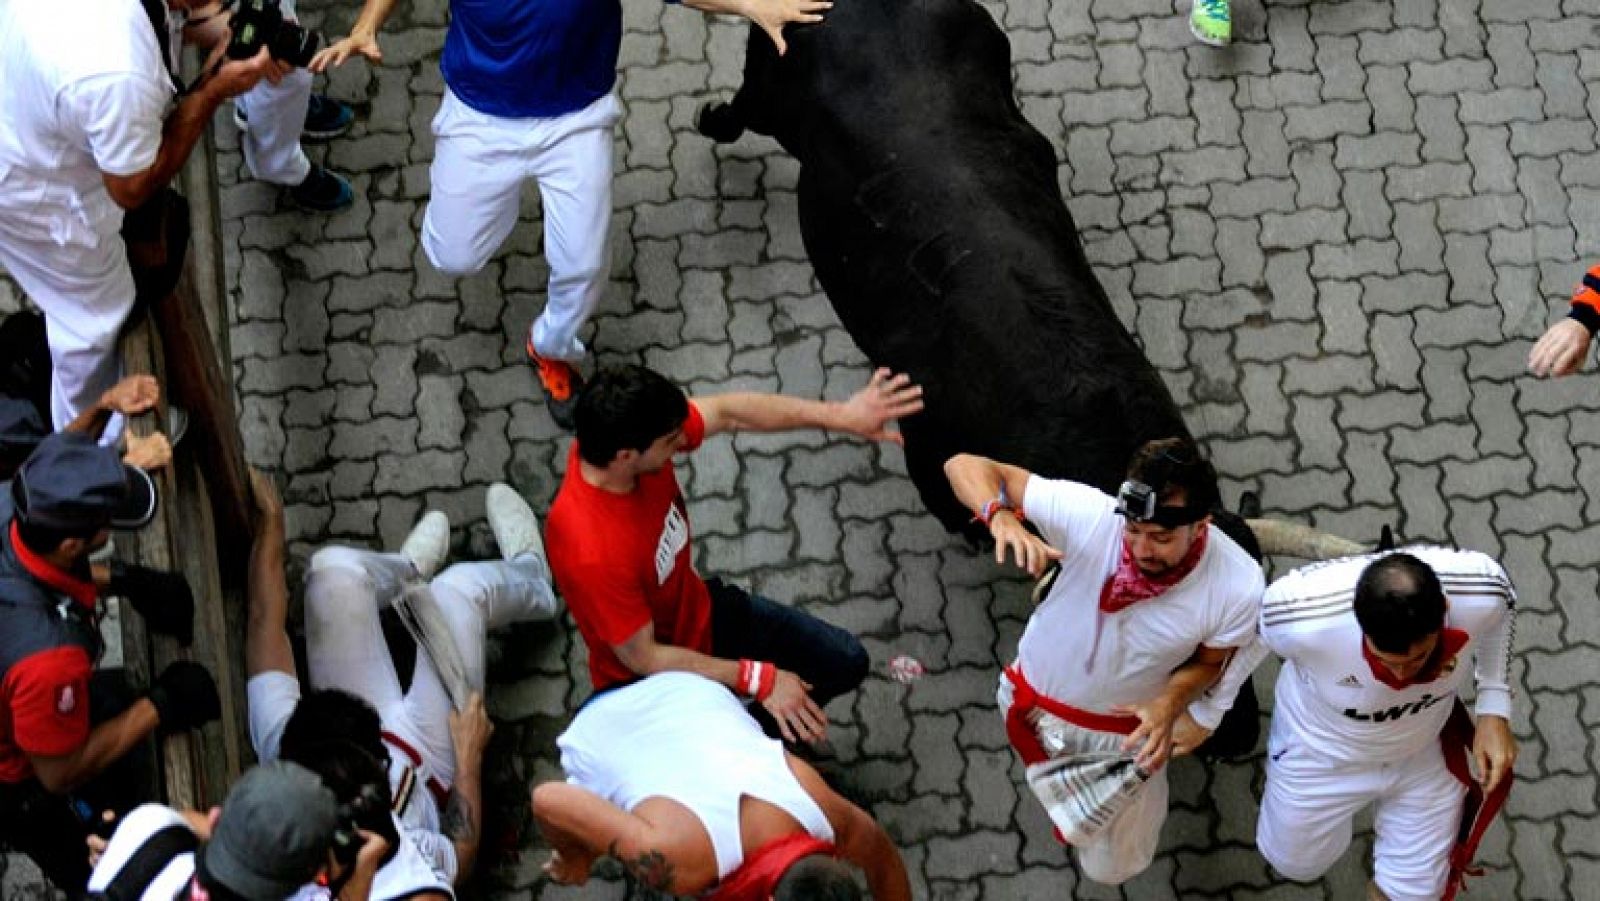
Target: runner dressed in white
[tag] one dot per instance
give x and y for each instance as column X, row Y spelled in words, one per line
column 1119, row 665
column 1359, row 723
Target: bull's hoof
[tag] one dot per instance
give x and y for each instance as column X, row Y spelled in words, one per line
column 719, row 122
column 1249, row 505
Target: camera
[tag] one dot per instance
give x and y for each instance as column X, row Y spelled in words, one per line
column 260, row 23
column 368, row 810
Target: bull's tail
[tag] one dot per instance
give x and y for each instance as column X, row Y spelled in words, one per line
column 720, row 122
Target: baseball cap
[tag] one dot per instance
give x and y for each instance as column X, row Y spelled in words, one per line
column 72, row 483
column 276, row 826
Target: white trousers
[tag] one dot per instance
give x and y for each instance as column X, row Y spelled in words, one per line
column 346, row 589
column 480, row 163
column 1127, row 845
column 85, row 294
column 1310, row 802
column 277, row 114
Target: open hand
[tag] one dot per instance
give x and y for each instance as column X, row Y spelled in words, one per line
column 359, row 43
column 1028, row 550
column 885, row 398
column 1560, row 350
column 772, row 15
column 1153, row 738
column 798, row 716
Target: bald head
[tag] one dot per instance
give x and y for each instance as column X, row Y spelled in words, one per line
column 1399, row 602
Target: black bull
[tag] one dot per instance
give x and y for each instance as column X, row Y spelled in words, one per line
column 931, row 213
column 933, row 217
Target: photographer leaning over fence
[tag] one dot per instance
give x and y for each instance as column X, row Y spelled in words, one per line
column 279, row 828
column 94, row 126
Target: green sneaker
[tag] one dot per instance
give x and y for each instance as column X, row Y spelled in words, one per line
column 1211, row 22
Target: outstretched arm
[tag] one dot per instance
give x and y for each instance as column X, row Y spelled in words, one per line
column 363, row 39
column 266, row 642
column 1565, row 345
column 994, row 492
column 769, row 15
column 867, row 413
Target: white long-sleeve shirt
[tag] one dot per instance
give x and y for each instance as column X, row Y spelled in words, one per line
column 1328, row 692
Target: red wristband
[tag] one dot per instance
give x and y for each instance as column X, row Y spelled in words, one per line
column 767, row 681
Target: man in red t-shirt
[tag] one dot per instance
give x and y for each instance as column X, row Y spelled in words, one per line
column 618, row 540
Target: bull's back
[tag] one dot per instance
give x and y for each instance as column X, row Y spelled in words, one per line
column 933, row 216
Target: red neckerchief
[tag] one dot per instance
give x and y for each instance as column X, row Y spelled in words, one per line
column 757, row 877
column 1451, row 641
column 1129, row 585
column 81, row 590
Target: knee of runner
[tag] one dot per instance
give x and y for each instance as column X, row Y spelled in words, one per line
column 453, row 258
column 1292, row 870
column 331, row 558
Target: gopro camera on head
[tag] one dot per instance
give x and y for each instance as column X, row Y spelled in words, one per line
column 1136, row 501
column 260, row 23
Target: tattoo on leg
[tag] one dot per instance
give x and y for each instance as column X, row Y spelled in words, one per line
column 651, row 867
column 457, row 820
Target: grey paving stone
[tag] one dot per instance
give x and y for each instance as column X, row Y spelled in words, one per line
column 1380, row 202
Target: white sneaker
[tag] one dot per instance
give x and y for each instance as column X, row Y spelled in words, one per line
column 428, row 544
column 516, row 528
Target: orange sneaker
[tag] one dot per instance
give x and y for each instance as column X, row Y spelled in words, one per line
column 561, row 383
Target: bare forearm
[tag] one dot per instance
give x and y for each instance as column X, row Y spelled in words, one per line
column 91, row 422
column 373, row 14
column 720, row 7
column 744, row 412
column 462, row 819
column 978, row 480
column 665, row 657
column 1188, row 681
column 179, row 134
column 886, row 872
column 108, row 742
column 266, row 637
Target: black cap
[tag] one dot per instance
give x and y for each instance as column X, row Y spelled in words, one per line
column 274, row 833
column 73, row 484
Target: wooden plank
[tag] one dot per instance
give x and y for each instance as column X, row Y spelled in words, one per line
column 194, row 381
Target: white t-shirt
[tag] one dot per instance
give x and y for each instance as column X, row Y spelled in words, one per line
column 681, row 736
column 1076, row 654
column 135, row 829
column 426, row 859
column 83, row 90
column 1327, row 694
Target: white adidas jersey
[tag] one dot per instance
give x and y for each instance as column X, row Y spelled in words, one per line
column 1327, row 694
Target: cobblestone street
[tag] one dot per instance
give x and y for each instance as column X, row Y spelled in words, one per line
column 1335, row 239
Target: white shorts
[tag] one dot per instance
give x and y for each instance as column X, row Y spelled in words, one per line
column 1310, row 803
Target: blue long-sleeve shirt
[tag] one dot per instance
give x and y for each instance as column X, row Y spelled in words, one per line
column 532, row 58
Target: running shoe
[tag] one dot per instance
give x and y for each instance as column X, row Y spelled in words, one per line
column 561, row 384
column 1212, row 22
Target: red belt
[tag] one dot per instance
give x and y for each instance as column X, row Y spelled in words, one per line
column 1025, row 699
column 1479, row 810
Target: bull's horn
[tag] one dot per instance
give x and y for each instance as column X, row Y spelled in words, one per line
column 1294, row 540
